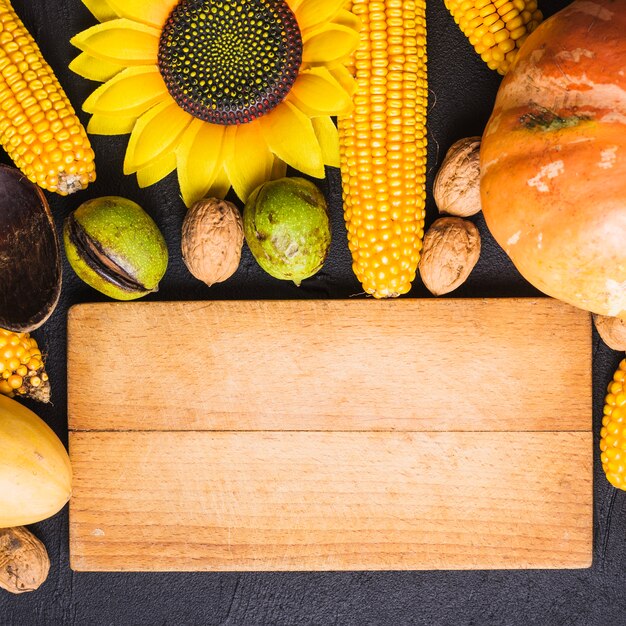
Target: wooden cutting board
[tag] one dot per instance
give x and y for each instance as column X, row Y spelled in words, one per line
column 330, row 435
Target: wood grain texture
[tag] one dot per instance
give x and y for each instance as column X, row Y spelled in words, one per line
column 330, row 435
column 410, row 365
column 330, row 501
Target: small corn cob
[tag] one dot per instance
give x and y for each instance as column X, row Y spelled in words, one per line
column 613, row 433
column 496, row 28
column 22, row 371
column 383, row 146
column 38, row 126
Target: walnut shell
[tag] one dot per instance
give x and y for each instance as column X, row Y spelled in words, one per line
column 212, row 240
column 24, row 562
column 451, row 250
column 612, row 330
column 457, row 184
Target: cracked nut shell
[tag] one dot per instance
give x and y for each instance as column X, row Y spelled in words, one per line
column 115, row 247
column 612, row 330
column 212, row 240
column 24, row 561
column 457, row 185
column 451, row 250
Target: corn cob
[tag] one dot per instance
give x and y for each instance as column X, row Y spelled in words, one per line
column 22, row 371
column 383, row 146
column 496, row 28
column 613, row 433
column 38, row 126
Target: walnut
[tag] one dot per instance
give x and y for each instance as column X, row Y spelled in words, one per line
column 457, row 184
column 451, row 250
column 24, row 562
column 612, row 330
column 212, row 240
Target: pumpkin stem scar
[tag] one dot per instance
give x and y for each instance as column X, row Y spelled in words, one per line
column 546, row 120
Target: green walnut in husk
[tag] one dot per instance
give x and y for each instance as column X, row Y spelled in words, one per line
column 115, row 247
column 286, row 225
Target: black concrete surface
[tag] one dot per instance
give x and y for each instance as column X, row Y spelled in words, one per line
column 462, row 91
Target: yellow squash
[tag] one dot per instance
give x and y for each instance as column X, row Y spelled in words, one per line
column 35, row 472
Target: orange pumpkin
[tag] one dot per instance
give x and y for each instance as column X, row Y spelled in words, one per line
column 553, row 158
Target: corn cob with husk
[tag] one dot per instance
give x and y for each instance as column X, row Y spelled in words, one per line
column 383, row 146
column 38, row 126
column 496, row 28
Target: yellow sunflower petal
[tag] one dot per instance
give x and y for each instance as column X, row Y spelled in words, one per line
column 110, row 124
column 294, row 4
column 290, row 136
column 343, row 76
column 199, row 157
column 349, row 19
column 154, row 134
column 248, row 161
column 329, row 44
column 220, row 186
column 157, row 170
column 279, row 169
column 317, row 93
column 120, row 41
column 313, row 12
column 94, row 69
column 151, row 12
column 131, row 92
column 328, row 138
column 101, row 10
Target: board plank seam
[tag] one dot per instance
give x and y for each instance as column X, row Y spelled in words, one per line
column 345, row 431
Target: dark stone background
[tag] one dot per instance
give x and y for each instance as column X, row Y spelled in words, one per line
column 462, row 91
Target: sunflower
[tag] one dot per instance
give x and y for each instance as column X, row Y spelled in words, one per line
column 228, row 92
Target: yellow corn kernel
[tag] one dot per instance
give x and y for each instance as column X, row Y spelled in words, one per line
column 496, row 28
column 21, row 373
column 613, row 432
column 383, row 146
column 32, row 101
